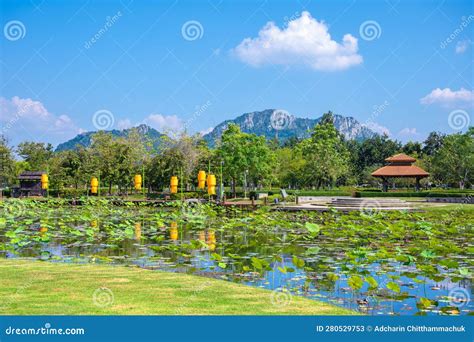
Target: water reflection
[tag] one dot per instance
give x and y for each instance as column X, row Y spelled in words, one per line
column 138, row 231
column 174, row 231
column 211, row 240
column 208, row 251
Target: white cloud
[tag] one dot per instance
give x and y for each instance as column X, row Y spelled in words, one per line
column 447, row 97
column 124, row 124
column 462, row 46
column 165, row 123
column 377, row 128
column 206, row 131
column 304, row 41
column 26, row 119
column 168, row 124
column 408, row 132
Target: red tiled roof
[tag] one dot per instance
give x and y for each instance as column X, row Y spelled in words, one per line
column 400, row 171
column 401, row 157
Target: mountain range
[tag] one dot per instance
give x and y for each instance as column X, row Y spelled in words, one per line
column 270, row 123
column 85, row 139
column 273, row 123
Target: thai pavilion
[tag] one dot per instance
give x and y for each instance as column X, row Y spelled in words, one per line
column 400, row 166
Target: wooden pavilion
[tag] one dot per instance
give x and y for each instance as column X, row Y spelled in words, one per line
column 30, row 184
column 400, row 166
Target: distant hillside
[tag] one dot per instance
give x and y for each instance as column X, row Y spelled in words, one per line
column 84, row 139
column 273, row 123
column 270, row 123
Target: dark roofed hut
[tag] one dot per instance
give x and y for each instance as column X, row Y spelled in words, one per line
column 30, row 184
column 400, row 166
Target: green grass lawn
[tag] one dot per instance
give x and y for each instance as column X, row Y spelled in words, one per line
column 448, row 207
column 44, row 288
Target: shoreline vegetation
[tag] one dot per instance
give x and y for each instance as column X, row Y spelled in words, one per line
column 396, row 258
column 239, row 163
column 45, row 288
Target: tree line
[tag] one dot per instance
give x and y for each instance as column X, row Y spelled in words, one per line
column 323, row 160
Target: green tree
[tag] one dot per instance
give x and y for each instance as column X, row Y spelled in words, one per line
column 178, row 157
column 454, row 161
column 370, row 153
column 7, row 163
column 103, row 158
column 412, row 148
column 326, row 155
column 130, row 157
column 243, row 152
column 35, row 154
column 327, row 118
column 162, row 166
column 290, row 167
column 71, row 168
column 433, row 143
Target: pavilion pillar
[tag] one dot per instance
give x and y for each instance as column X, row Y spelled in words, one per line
column 384, row 184
column 417, row 184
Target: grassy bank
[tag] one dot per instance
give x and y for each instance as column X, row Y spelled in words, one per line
column 448, row 208
column 42, row 288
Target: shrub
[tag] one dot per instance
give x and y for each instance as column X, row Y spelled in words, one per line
column 289, row 198
column 68, row 193
column 409, row 194
column 318, row 192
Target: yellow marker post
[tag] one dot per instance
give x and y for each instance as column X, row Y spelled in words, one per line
column 94, row 185
column 137, row 181
column 44, row 181
column 211, row 184
column 174, row 185
column 202, row 179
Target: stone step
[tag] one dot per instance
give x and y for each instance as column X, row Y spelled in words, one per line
column 394, row 203
column 374, row 205
column 379, row 199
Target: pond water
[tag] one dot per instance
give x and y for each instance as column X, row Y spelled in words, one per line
column 388, row 263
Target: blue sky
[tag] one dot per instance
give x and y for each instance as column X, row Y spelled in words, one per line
column 398, row 66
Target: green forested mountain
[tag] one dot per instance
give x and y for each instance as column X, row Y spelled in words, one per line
column 269, row 123
column 84, row 139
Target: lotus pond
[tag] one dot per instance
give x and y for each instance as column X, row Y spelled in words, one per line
column 384, row 263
